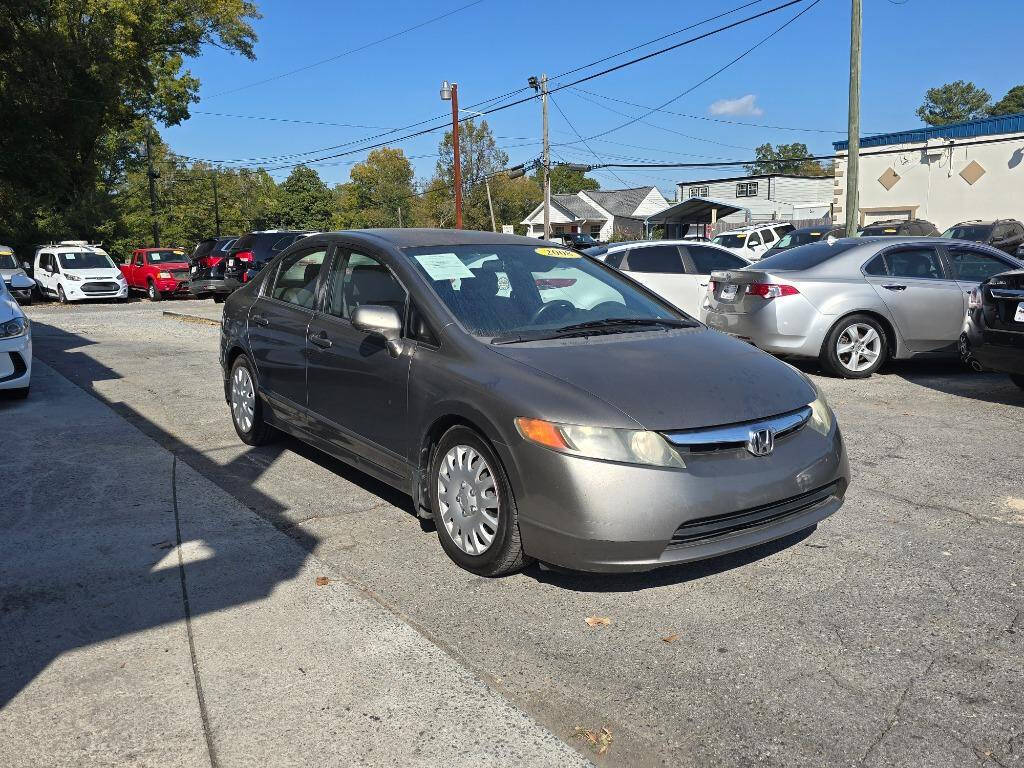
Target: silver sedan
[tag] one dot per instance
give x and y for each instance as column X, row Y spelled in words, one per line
column 856, row 302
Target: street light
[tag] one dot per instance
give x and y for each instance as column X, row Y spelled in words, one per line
column 450, row 92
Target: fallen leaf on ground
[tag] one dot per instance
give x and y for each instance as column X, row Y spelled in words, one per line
column 599, row 740
column 670, row 639
column 598, row 621
column 322, row 581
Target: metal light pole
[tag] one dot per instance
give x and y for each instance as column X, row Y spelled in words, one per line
column 853, row 125
column 451, row 93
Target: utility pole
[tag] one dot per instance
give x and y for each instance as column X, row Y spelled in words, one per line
column 153, row 175
column 853, row 126
column 547, row 157
column 450, row 92
column 216, row 202
column 490, row 205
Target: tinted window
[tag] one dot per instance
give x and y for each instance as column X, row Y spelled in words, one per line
column 914, row 262
column 166, row 257
column 974, row 265
column 7, row 261
column 730, row 241
column 768, row 236
column 794, row 239
column 876, row 266
column 358, row 280
column 297, row 276
column 614, row 259
column 753, row 239
column 655, row 258
column 203, row 248
column 85, row 260
column 707, row 260
column 804, row 256
column 977, row 232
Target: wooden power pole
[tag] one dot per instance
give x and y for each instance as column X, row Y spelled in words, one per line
column 547, row 157
column 152, row 189
column 853, row 126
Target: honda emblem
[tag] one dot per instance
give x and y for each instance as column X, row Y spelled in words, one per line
column 761, row 442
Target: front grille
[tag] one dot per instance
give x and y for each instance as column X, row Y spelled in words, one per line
column 707, row 528
column 100, row 287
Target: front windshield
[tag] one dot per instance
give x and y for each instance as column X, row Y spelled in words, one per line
column 975, row 233
column 85, row 260
column 501, row 290
column 167, row 257
column 7, row 261
column 730, row 241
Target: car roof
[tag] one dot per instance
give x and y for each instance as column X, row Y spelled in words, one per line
column 752, row 227
column 414, row 237
column 73, row 249
column 163, row 248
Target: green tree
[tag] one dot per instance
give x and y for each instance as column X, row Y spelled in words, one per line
column 568, row 181
column 480, row 154
column 786, row 158
column 1011, row 104
column 954, row 103
column 77, row 75
column 379, row 188
column 304, row 201
column 513, row 200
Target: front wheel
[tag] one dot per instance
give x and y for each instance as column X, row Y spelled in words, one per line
column 855, row 347
column 61, row 296
column 218, row 298
column 474, row 511
column 1018, row 379
column 246, row 408
column 152, row 291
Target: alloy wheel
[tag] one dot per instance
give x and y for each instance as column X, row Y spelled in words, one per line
column 243, row 398
column 858, row 347
column 467, row 494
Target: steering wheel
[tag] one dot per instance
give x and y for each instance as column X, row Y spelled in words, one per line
column 550, row 307
column 611, row 309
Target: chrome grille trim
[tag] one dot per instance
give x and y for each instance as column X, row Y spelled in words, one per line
column 736, row 435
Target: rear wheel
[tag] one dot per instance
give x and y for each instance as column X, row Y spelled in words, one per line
column 855, row 347
column 246, row 408
column 1018, row 379
column 152, row 291
column 474, row 511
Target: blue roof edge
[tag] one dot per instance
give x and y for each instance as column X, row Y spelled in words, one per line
column 985, row 126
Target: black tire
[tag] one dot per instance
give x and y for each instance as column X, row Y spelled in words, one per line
column 218, row 298
column 259, row 433
column 61, row 297
column 26, row 302
column 505, row 554
column 16, row 394
column 152, row 291
column 1018, row 379
column 829, row 356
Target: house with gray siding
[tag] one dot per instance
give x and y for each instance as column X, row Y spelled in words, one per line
column 598, row 212
column 775, row 196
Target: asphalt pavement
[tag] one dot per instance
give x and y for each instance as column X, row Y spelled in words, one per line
column 890, row 635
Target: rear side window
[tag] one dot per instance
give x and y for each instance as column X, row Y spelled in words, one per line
column 768, row 236
column 297, row 276
column 805, row 256
column 244, row 243
column 614, row 259
column 707, row 260
column 655, row 258
column 976, row 266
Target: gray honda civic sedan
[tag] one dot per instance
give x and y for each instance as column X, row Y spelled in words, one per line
column 534, row 403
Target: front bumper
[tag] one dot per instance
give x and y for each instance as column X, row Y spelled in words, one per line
column 788, row 325
column 600, row 516
column 173, row 287
column 16, row 362
column 74, row 292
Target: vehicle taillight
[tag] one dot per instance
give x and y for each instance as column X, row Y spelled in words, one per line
column 771, row 290
column 974, row 300
column 244, row 255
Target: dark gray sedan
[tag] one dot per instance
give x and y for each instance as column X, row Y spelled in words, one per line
column 534, row 403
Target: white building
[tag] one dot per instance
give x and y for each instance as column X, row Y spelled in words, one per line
column 943, row 174
column 598, row 213
column 778, row 196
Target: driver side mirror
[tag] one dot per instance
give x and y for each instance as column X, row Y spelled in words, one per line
column 380, row 320
column 22, row 282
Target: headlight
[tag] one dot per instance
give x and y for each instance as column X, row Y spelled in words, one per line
column 633, row 446
column 822, row 417
column 163, row 275
column 16, row 327
column 72, row 278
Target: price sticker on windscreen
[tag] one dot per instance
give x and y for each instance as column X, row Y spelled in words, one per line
column 444, row 266
column 558, row 253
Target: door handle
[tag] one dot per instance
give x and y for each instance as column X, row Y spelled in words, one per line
column 895, row 287
column 259, row 320
column 321, row 340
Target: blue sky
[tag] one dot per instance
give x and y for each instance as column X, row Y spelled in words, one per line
column 798, row 79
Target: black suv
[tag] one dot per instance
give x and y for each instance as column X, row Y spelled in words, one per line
column 577, row 240
column 900, row 228
column 207, row 255
column 1005, row 234
column 252, row 251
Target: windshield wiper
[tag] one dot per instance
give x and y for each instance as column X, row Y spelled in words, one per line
column 606, row 325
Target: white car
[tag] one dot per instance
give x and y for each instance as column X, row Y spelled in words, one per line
column 676, row 270
column 78, row 272
column 15, row 342
column 752, row 242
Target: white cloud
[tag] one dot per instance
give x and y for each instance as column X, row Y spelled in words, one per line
column 745, row 105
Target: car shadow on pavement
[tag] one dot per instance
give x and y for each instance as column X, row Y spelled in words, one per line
column 578, row 581
column 88, row 548
column 951, row 377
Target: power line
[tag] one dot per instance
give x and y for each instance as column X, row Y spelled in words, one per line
column 580, row 137
column 348, row 52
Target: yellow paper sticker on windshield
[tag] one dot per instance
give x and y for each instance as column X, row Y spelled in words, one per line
column 558, row 253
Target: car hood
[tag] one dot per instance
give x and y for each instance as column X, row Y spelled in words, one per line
column 7, row 274
column 680, row 379
column 101, row 273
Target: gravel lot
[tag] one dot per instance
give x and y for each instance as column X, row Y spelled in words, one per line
column 892, row 635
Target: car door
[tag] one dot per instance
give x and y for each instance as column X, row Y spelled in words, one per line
column 278, row 321
column 701, row 261
column 356, row 389
column 661, row 268
column 925, row 302
column 972, row 266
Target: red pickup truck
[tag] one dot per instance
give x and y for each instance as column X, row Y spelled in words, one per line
column 157, row 271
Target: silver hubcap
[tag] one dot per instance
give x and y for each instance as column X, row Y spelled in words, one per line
column 152, row 291
column 243, row 399
column 468, row 496
column 858, row 347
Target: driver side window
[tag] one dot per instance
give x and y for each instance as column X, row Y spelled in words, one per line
column 357, row 280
